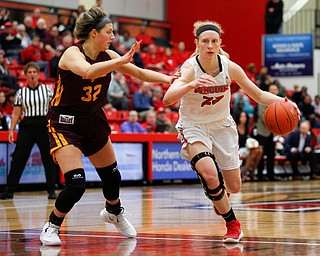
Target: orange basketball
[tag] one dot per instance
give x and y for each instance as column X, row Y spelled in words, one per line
column 281, row 117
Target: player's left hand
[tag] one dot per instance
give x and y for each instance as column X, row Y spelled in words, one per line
column 295, row 106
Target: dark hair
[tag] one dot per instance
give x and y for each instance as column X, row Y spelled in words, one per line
column 88, row 21
column 237, row 119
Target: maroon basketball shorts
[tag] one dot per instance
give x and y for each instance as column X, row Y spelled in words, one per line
column 88, row 132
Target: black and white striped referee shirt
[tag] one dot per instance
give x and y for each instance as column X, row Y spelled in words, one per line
column 34, row 102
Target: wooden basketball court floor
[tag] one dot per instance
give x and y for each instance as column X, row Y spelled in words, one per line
column 278, row 218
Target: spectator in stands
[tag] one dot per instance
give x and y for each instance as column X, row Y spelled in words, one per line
column 54, row 61
column 181, row 53
column 265, row 139
column 14, row 28
column 99, row 4
column 251, row 72
column 297, row 147
column 4, row 16
column 240, row 96
column 6, row 79
column 142, row 99
column 132, row 125
column 281, row 88
column 308, row 112
column 150, row 123
column 145, row 38
column 137, row 60
column 10, row 43
column 27, row 21
column 118, row 91
column 81, row 10
column 157, row 97
column 157, row 122
column 170, row 61
column 9, row 103
column 299, row 95
column 163, row 123
column 60, row 24
column 118, row 38
column 36, row 53
column 41, row 29
column 67, row 41
column 249, row 149
column 36, row 15
column 52, row 40
column 134, row 85
column 23, row 36
column 316, row 105
column 237, row 109
column 71, row 23
column 262, row 78
column 3, row 122
column 127, row 40
column 32, row 102
column 273, row 16
column 152, row 59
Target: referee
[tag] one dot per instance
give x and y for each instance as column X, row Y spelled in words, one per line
column 32, row 103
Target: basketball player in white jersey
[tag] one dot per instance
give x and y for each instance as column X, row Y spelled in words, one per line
column 206, row 129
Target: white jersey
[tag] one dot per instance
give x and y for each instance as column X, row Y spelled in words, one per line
column 207, row 104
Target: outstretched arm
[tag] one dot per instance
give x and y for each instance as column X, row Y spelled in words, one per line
column 75, row 61
column 185, row 84
column 262, row 97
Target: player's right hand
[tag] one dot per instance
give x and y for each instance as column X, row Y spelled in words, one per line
column 204, row 80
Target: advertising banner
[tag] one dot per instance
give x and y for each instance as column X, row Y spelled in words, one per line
column 129, row 159
column 168, row 164
column 288, row 55
column 34, row 170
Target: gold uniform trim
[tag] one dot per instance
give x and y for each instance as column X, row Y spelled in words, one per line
column 58, row 138
column 57, row 97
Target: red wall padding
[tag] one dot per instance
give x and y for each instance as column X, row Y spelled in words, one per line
column 242, row 22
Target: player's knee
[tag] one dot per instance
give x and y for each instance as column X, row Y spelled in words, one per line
column 234, row 187
column 111, row 179
column 73, row 191
column 212, row 180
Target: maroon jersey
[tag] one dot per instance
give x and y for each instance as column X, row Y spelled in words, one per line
column 81, row 95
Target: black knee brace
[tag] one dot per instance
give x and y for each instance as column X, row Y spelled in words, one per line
column 111, row 179
column 73, row 190
column 208, row 192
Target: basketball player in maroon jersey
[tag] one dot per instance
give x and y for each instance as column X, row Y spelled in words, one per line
column 77, row 124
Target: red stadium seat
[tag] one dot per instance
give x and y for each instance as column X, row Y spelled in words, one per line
column 123, row 115
column 115, row 127
column 112, row 116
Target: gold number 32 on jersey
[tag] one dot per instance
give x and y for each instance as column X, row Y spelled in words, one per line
column 91, row 92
